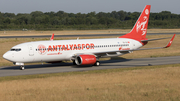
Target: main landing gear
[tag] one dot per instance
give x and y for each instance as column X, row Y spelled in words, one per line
column 97, row 63
column 22, row 67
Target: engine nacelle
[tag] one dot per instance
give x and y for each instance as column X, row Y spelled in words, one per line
column 85, row 59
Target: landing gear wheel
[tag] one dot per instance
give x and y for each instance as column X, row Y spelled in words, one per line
column 97, row 63
column 22, row 68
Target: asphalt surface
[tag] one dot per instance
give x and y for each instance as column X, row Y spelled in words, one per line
column 69, row 67
column 85, row 35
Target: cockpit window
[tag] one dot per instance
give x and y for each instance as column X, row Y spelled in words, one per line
column 16, row 49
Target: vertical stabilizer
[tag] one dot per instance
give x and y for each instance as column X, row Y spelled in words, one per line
column 52, row 37
column 140, row 28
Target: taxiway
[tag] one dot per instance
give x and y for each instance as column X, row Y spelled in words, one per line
column 69, row 67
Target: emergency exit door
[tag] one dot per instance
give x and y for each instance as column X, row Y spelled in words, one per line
column 31, row 51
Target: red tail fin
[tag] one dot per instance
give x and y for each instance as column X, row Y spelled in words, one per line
column 140, row 28
column 52, row 37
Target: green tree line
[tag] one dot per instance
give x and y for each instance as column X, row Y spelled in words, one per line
column 61, row 20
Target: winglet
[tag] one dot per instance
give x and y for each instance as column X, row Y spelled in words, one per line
column 52, row 37
column 170, row 42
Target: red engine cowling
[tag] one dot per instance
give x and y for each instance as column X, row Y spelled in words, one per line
column 85, row 59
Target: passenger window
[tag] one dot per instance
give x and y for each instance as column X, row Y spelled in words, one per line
column 12, row 50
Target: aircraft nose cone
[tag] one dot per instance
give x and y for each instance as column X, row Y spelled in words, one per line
column 7, row 56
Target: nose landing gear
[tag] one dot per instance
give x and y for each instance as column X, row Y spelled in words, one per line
column 19, row 64
column 22, row 67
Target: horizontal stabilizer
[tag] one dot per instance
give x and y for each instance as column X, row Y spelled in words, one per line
column 168, row 45
column 170, row 42
column 154, row 39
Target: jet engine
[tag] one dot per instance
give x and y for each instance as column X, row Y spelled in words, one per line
column 85, row 59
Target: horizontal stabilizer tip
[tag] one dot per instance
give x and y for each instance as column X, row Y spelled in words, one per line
column 170, row 42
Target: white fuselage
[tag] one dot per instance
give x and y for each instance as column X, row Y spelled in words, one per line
column 59, row 50
column 83, row 51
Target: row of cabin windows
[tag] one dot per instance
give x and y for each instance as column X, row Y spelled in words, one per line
column 111, row 45
column 15, row 49
column 98, row 46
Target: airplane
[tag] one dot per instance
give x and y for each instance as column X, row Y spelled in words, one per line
column 83, row 51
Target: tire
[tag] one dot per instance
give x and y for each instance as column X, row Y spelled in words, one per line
column 97, row 63
column 22, row 68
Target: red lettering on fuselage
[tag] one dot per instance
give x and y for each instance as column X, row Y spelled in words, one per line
column 59, row 46
column 79, row 46
column 125, row 49
column 49, row 48
column 63, row 47
column 54, row 47
column 83, row 46
column 75, row 47
column 67, row 47
column 70, row 47
column 92, row 46
column 87, row 46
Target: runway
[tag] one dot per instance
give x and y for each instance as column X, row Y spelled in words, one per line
column 68, row 67
column 85, row 35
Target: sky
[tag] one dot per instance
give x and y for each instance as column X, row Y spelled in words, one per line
column 87, row 6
